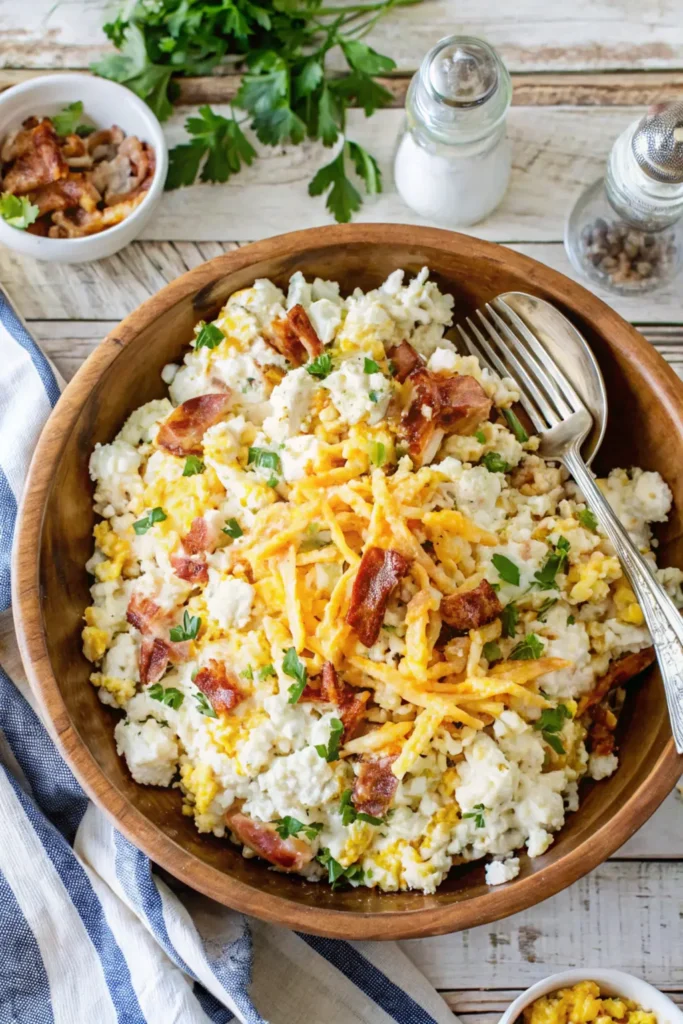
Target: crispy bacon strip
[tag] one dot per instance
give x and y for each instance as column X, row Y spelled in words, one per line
column 153, row 660
column 472, row 609
column 463, row 403
column 182, row 432
column 378, row 573
column 41, row 161
column 619, row 673
column 334, row 690
column 145, row 614
column 220, row 688
column 289, row 854
column 78, row 223
column 601, row 738
column 203, row 536
column 439, row 404
column 285, row 340
column 76, row 190
column 405, row 359
column 193, row 570
column 155, row 651
column 375, row 786
column 300, row 323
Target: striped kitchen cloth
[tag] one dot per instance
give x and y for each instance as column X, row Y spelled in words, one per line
column 88, row 933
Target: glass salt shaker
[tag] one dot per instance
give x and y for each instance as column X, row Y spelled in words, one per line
column 625, row 232
column 452, row 165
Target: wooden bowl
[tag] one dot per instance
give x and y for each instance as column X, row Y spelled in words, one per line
column 54, row 540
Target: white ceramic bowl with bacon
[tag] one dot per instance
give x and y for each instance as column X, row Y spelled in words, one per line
column 105, row 105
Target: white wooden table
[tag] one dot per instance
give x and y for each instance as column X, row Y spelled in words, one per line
column 581, row 71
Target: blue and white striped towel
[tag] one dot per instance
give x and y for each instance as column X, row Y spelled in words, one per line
column 88, row 933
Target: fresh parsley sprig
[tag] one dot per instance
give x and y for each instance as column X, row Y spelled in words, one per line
column 330, row 751
column 188, row 630
column 289, row 826
column 349, row 814
column 18, row 211
column 477, row 813
column 293, row 667
column 550, row 723
column 155, row 515
column 169, row 696
column 336, row 874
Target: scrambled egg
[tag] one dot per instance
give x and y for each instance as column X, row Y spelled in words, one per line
column 583, row 1004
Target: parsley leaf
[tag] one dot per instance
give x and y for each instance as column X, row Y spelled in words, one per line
column 515, row 426
column 494, row 462
column 480, row 436
column 233, row 528
column 203, row 705
column 349, row 814
column 570, row 620
column 220, row 140
column 266, row 671
column 370, row 366
column 209, row 336
column 289, row 826
column 491, row 651
column 528, row 649
column 188, row 630
column 342, row 198
column 18, row 211
column 330, row 751
column 292, row 666
column 373, row 396
column 506, row 569
column 542, row 612
column 554, row 563
column 264, row 459
column 378, row 453
column 247, row 673
column 478, row 814
column 550, row 723
column 67, row 120
column 336, row 874
column 321, row 366
column 156, row 515
column 509, row 619
column 170, row 696
column 133, row 68
column 193, row 465
column 587, row 519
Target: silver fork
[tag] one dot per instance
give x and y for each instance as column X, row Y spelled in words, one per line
column 509, row 348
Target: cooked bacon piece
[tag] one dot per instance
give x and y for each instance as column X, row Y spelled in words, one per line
column 619, row 673
column 194, row 570
column 145, row 614
column 378, row 573
column 601, row 739
column 303, row 328
column 76, row 190
column 153, row 659
column 220, row 688
column 375, row 785
column 103, row 144
column 203, row 536
column 438, row 404
column 285, row 340
column 79, row 223
column 405, row 359
column 121, row 179
column 182, row 432
column 472, row 609
column 335, row 691
column 41, row 161
column 75, row 152
column 289, row 854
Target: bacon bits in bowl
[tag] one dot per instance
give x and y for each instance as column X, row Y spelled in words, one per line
column 364, row 663
column 82, row 167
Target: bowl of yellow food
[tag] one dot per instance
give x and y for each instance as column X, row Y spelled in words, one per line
column 312, row 618
column 603, row 996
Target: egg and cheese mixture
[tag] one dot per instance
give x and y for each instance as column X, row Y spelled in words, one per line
column 342, row 604
column 583, row 1004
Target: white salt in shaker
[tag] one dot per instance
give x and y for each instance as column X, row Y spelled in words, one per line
column 453, row 163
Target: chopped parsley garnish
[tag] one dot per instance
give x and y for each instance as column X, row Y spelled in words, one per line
column 480, row 436
column 247, row 673
column 233, row 528
column 550, row 723
column 378, row 453
column 570, row 620
column 321, row 366
column 203, row 705
column 494, row 462
column 68, row 121
column 330, row 751
column 478, row 814
column 336, row 874
column 264, row 459
column 515, row 426
column 509, row 619
column 188, row 630
column 289, row 826
column 373, row 396
column 491, row 651
column 18, row 211
column 193, row 465
column 542, row 612
column 210, row 336
column 528, row 649
column 349, row 813
column 554, row 563
column 370, row 366
column 170, row 696
column 272, row 481
column 587, row 519
column 393, row 369
column 292, row 666
column 156, row 515
column 507, row 570
column 266, row 672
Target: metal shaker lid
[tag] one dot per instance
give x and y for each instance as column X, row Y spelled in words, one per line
column 657, row 143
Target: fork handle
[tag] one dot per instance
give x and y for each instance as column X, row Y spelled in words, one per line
column 661, row 615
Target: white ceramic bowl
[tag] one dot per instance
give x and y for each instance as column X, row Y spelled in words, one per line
column 105, row 103
column 613, row 983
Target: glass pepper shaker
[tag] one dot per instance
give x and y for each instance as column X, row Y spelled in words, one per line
column 452, row 164
column 625, row 232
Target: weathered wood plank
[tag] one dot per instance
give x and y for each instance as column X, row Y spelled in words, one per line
column 112, row 288
column 532, row 35
column 619, row 89
column 624, row 914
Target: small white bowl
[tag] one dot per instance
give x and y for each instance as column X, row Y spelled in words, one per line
column 105, row 103
column 612, row 983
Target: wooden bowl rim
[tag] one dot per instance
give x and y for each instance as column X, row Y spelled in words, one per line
column 490, row 906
